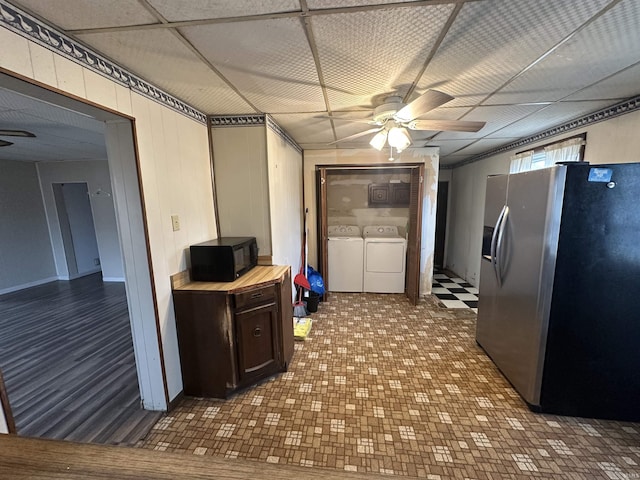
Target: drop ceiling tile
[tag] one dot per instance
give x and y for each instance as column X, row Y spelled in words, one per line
column 612, row 42
column 548, row 117
column 365, row 54
column 269, row 61
column 74, row 14
column 497, row 117
column 323, row 4
column 623, row 85
column 159, row 56
column 306, row 126
column 206, row 9
column 491, row 41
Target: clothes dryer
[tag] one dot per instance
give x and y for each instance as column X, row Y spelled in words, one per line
column 345, row 256
column 385, row 257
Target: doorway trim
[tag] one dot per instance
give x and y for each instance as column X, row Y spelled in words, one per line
column 124, row 167
column 412, row 283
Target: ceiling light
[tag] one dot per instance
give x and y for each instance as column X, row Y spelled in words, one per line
column 379, row 140
column 399, row 138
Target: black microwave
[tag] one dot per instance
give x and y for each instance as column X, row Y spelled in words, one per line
column 223, row 259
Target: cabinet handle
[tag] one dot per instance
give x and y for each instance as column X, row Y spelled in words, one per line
column 257, row 295
column 257, row 332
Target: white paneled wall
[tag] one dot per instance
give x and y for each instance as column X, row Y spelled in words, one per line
column 173, row 154
column 429, row 156
column 240, row 164
column 285, row 197
column 611, row 141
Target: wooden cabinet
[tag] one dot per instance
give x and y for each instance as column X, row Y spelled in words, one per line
column 389, row 194
column 232, row 335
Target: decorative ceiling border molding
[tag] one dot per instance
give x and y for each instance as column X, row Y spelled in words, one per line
column 36, row 31
column 622, row 108
column 278, row 130
column 222, row 121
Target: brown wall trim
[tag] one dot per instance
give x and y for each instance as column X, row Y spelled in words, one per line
column 213, row 175
column 175, row 402
column 35, row 83
column 6, row 406
column 62, row 93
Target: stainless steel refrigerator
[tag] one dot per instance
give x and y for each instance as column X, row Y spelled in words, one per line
column 559, row 301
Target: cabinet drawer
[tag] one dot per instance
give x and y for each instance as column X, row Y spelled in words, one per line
column 254, row 297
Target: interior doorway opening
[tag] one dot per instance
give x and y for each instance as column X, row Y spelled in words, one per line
column 441, row 225
column 380, row 196
column 77, row 228
column 134, row 302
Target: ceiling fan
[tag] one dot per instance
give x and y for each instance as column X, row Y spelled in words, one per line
column 393, row 118
column 13, row 133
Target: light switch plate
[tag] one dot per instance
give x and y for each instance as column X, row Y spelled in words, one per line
column 175, row 222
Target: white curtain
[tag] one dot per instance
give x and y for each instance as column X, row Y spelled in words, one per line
column 567, row 151
column 521, row 162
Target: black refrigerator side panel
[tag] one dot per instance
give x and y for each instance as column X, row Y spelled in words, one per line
column 592, row 362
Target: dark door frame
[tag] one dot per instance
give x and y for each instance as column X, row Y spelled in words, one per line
column 412, row 285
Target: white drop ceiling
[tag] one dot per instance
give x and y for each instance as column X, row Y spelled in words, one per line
column 522, row 66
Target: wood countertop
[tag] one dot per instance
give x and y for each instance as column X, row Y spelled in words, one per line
column 257, row 276
column 52, row 459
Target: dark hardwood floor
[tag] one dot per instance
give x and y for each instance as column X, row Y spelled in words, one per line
column 67, row 357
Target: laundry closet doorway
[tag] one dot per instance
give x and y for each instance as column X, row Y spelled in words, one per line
column 367, row 195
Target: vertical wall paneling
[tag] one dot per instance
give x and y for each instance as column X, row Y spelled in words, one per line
column 242, row 184
column 285, row 198
column 124, row 178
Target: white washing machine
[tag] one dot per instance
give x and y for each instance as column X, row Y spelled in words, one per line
column 345, row 255
column 385, row 258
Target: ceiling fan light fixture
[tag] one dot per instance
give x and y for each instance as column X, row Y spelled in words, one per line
column 399, row 138
column 378, row 140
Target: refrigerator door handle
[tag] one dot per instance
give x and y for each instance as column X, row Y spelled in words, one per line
column 503, row 224
column 494, row 243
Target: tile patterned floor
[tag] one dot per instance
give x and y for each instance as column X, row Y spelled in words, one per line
column 382, row 386
column 454, row 292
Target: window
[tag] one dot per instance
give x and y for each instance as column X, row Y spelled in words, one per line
column 567, row 150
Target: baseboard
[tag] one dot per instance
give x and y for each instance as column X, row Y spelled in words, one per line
column 79, row 275
column 113, row 279
column 28, row 285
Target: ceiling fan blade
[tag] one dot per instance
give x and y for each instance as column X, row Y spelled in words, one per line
column 357, row 135
column 424, row 103
column 445, row 125
column 16, row 133
column 5, row 144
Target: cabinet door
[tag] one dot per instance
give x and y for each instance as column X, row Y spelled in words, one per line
column 256, row 336
column 379, row 194
column 400, row 194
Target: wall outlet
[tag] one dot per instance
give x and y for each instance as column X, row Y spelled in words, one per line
column 96, row 261
column 175, row 222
